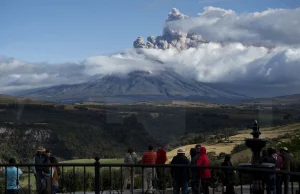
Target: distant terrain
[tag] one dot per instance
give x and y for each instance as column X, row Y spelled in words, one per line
column 84, row 130
column 135, row 87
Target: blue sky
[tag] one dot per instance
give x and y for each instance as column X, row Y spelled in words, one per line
column 70, row 30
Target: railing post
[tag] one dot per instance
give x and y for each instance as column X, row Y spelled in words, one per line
column 97, row 175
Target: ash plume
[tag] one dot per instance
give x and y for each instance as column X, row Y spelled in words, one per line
column 170, row 38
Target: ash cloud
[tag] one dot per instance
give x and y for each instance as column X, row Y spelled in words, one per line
column 170, row 38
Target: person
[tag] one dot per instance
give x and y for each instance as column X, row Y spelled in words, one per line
column 195, row 182
column 205, row 174
column 180, row 175
column 12, row 175
column 278, row 165
column 269, row 179
column 55, row 171
column 39, row 159
column 287, row 159
column 48, row 153
column 198, row 147
column 130, row 158
column 149, row 158
column 161, row 159
column 45, row 186
column 228, row 175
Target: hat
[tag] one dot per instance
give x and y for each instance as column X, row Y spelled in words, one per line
column 181, row 151
column 41, row 149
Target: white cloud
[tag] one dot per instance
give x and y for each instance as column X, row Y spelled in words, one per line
column 256, row 50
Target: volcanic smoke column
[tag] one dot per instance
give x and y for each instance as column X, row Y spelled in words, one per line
column 170, row 38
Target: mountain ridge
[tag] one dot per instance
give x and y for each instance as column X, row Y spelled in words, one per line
column 136, row 86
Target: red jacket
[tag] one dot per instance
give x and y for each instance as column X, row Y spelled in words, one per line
column 149, row 157
column 161, row 156
column 203, row 160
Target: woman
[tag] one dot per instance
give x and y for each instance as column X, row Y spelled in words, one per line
column 55, row 175
column 130, row 158
column 205, row 173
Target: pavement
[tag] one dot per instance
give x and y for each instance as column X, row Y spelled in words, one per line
column 246, row 190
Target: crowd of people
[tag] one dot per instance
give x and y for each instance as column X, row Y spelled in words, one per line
column 200, row 178
column 47, row 178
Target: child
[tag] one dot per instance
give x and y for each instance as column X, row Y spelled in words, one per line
column 45, row 185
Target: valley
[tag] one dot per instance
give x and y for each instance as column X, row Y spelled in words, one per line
column 83, row 130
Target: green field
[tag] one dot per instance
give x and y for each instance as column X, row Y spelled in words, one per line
column 24, row 182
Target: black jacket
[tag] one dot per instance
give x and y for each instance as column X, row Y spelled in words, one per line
column 228, row 174
column 180, row 173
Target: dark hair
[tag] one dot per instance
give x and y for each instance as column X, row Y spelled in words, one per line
column 227, row 158
column 54, row 160
column 193, row 152
column 198, row 146
column 150, row 147
column 48, row 151
column 46, row 170
column 12, row 161
column 130, row 150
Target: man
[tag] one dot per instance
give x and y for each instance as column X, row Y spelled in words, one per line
column 149, row 157
column 195, row 172
column 198, row 147
column 228, row 175
column 180, row 175
column 287, row 159
column 161, row 159
column 12, row 175
column 39, row 159
column 269, row 179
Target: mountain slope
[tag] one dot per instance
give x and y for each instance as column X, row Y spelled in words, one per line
column 135, row 86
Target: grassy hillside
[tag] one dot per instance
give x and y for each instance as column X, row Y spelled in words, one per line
column 270, row 133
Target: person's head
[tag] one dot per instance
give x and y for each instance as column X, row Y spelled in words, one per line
column 159, row 146
column 202, row 150
column 12, row 161
column 41, row 150
column 53, row 160
column 193, row 152
column 46, row 171
column 48, row 153
column 150, row 147
column 227, row 158
column 198, row 146
column 130, row 150
column 181, row 151
column 284, row 150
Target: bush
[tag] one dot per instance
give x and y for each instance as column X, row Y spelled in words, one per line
column 75, row 182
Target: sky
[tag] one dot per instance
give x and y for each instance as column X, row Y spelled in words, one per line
column 247, row 46
column 57, row 31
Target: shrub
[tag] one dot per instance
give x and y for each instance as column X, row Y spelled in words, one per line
column 77, row 181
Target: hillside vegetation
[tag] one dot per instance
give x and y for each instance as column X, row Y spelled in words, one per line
column 90, row 129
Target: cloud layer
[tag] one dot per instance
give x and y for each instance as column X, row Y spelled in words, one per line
column 256, row 50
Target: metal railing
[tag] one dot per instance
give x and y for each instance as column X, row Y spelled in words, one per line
column 109, row 178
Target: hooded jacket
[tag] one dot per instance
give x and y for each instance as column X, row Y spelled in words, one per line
column 203, row 160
